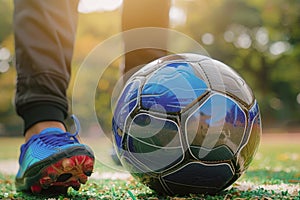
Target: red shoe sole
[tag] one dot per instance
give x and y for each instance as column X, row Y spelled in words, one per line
column 67, row 172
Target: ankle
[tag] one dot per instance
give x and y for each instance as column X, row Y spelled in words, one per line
column 38, row 127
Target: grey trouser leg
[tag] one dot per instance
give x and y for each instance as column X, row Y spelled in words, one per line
column 138, row 14
column 44, row 37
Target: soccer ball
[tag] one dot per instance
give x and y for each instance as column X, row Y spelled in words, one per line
column 186, row 123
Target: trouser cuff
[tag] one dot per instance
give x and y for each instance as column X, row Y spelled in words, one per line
column 42, row 112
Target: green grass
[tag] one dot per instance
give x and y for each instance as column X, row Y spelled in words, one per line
column 273, row 174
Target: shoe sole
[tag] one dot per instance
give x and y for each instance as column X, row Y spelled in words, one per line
column 56, row 174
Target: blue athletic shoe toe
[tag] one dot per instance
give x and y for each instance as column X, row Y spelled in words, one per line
column 53, row 158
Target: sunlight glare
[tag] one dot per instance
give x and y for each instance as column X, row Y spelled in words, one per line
column 87, row 6
column 279, row 47
column 177, row 16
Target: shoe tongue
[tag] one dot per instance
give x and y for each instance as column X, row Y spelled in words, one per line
column 52, row 129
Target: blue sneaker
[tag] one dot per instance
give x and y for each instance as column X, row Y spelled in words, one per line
column 54, row 160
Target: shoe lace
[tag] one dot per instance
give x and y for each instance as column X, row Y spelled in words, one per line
column 54, row 138
column 60, row 139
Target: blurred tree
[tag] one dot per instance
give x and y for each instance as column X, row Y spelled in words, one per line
column 9, row 122
column 6, row 10
column 93, row 29
column 260, row 39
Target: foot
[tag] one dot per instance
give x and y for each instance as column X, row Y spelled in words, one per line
column 53, row 159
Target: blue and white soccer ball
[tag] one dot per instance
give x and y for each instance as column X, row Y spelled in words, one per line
column 185, row 124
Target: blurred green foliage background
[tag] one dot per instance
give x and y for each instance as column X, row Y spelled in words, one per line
column 260, row 39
